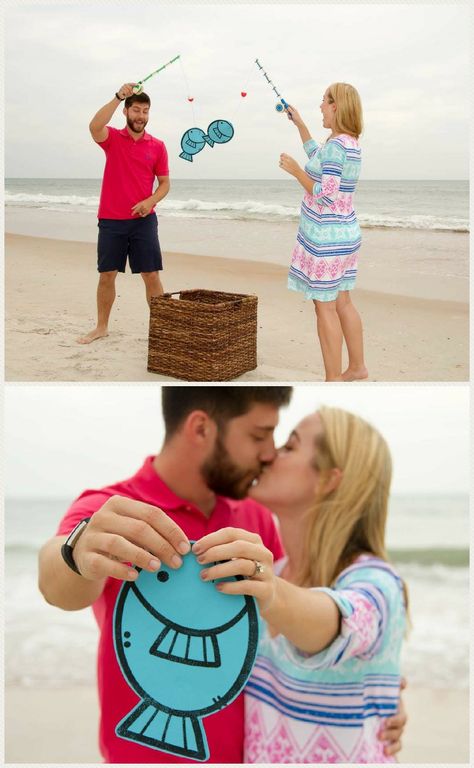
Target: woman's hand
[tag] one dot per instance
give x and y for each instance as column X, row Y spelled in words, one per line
column 246, row 556
column 289, row 164
column 294, row 116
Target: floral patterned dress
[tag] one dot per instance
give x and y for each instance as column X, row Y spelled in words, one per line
column 324, row 260
column 329, row 707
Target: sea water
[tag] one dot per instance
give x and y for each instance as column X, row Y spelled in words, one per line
column 423, row 205
column 428, row 539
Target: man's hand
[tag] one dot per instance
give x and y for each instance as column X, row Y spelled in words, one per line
column 393, row 727
column 144, row 207
column 125, row 533
column 126, row 90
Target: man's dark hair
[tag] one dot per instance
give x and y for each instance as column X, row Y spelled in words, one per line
column 220, row 403
column 142, row 98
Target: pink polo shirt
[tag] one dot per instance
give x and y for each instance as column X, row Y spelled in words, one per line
column 130, row 170
column 224, row 729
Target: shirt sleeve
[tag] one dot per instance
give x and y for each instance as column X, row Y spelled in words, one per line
column 161, row 166
column 333, row 157
column 105, row 145
column 84, row 506
column 363, row 606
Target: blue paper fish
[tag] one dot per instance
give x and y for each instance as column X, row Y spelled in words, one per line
column 220, row 131
column 186, row 650
column 192, row 142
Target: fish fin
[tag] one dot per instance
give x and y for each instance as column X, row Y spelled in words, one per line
column 208, row 139
column 186, row 156
column 152, row 726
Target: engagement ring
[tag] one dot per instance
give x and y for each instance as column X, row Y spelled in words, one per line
column 259, row 569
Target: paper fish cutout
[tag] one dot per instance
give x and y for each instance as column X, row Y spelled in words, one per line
column 186, row 649
column 192, row 142
column 220, row 131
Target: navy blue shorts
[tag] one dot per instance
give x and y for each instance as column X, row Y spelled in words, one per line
column 136, row 239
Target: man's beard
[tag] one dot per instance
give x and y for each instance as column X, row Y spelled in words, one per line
column 226, row 478
column 135, row 130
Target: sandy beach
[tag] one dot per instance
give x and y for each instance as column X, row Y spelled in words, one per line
column 60, row 726
column 414, row 310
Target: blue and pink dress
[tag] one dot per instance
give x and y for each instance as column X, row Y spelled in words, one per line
column 324, row 260
column 329, row 707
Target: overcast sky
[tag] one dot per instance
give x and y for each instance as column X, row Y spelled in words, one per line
column 409, row 62
column 63, row 439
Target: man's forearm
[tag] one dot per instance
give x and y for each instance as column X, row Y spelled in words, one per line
column 59, row 585
column 161, row 191
column 104, row 115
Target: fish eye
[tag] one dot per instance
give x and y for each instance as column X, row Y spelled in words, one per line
column 162, row 576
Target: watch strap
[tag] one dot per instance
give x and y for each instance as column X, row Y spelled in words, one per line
column 71, row 541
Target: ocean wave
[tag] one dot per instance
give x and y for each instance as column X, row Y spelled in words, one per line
column 414, row 222
column 238, row 210
column 39, row 200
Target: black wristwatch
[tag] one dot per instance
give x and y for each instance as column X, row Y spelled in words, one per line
column 118, row 97
column 71, row 541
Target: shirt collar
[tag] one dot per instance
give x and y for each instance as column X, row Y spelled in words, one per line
column 167, row 497
column 124, row 132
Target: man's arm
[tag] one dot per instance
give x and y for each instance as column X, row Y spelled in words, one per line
column 122, row 534
column 98, row 124
column 144, row 207
column 59, row 585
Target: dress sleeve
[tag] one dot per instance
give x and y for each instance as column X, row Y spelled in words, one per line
column 310, row 147
column 333, row 157
column 364, row 607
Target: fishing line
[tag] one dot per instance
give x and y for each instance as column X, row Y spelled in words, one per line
column 188, row 92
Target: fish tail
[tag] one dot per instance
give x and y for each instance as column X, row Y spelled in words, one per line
column 208, row 139
column 186, row 156
column 159, row 728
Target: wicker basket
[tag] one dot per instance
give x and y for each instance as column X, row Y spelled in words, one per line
column 203, row 335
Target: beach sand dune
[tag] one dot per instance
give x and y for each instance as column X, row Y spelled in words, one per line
column 50, row 301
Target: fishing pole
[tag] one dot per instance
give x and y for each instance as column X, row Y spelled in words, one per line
column 138, row 88
column 282, row 105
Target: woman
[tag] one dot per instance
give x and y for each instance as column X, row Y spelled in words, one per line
column 327, row 670
column 324, row 261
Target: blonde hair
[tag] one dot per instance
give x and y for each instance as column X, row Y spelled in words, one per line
column 348, row 115
column 350, row 519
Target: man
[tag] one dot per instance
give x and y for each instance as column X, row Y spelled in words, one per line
column 217, row 442
column 128, row 226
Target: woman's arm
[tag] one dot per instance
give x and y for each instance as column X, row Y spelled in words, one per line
column 297, row 120
column 310, row 620
column 290, row 165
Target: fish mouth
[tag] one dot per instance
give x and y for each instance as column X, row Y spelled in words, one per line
column 196, row 647
column 187, row 648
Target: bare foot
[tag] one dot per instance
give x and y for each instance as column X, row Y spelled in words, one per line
column 97, row 333
column 355, row 375
column 334, row 378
